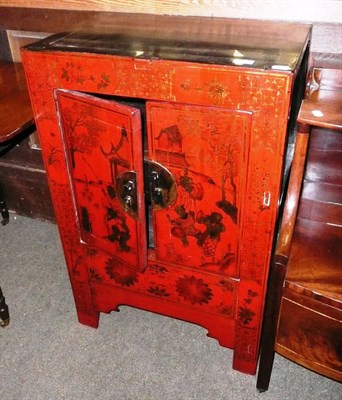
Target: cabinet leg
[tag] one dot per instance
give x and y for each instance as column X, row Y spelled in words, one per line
column 86, row 311
column 91, row 320
column 243, row 365
column 4, row 314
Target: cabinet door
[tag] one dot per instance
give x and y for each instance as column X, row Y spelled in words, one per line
column 103, row 146
column 206, row 149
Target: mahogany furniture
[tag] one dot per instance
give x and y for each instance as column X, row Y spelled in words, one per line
column 22, row 173
column 15, row 116
column 164, row 140
column 303, row 318
column 15, row 112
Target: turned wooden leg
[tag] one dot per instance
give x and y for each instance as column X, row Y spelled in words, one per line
column 4, row 314
column 3, row 208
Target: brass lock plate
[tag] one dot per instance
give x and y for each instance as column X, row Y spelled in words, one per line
column 160, row 188
column 160, row 185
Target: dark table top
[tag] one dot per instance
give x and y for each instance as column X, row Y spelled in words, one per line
column 256, row 44
column 15, row 106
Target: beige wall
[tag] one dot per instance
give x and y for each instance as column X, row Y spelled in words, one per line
column 298, row 10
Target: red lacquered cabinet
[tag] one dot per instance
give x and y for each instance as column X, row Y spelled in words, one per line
column 164, row 140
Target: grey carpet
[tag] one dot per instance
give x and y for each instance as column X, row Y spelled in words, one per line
column 46, row 354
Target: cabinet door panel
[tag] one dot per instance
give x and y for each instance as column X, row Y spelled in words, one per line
column 206, row 149
column 103, row 142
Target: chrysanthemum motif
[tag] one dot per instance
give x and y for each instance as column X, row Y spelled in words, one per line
column 194, row 290
column 122, row 274
column 217, row 91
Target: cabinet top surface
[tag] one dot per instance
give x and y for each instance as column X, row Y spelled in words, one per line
column 249, row 43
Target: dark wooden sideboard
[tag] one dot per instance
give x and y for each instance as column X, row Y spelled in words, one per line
column 164, row 140
column 303, row 316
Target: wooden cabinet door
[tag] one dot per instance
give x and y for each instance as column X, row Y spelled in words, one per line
column 206, row 149
column 103, row 145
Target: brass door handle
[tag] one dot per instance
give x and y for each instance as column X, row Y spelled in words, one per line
column 126, row 190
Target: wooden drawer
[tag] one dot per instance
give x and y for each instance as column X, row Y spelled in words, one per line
column 312, row 336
